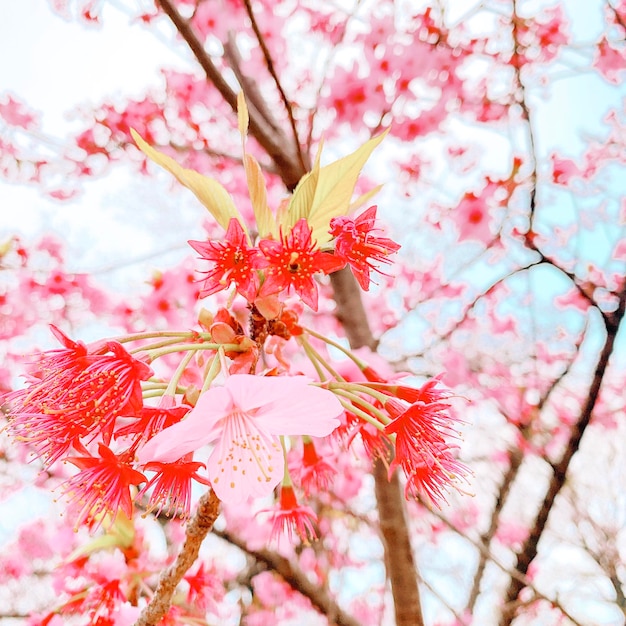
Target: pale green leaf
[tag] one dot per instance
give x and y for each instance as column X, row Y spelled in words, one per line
column 302, row 197
column 364, row 198
column 243, row 118
column 214, row 197
column 335, row 187
column 266, row 225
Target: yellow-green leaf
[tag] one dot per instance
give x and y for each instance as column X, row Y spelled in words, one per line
column 214, row 197
column 363, row 199
column 335, row 187
column 242, row 115
column 265, row 222
column 302, row 198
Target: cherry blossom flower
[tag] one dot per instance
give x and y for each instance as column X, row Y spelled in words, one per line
column 153, row 419
column 77, row 393
column 291, row 517
column 102, row 486
column 610, row 61
column 233, row 261
column 244, row 419
column 171, row 486
column 359, row 247
column 472, row 218
column 421, row 445
column 206, row 588
column 293, row 261
column 314, row 473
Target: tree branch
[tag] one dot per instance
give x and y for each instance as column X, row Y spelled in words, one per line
column 275, row 143
column 515, row 462
column 350, row 312
column 197, row 529
column 559, row 469
column 296, row 579
column 394, row 529
column 272, row 70
column 483, row 549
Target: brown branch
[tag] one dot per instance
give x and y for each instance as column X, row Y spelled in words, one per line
column 296, row 579
column 197, row 529
column 559, row 469
column 249, row 85
column 483, row 549
column 350, row 309
column 272, row 70
column 515, row 458
column 274, row 143
column 399, row 559
column 394, row 529
column 515, row 462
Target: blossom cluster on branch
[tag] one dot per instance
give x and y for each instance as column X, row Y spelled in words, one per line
column 139, row 439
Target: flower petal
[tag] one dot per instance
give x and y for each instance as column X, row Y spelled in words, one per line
column 286, row 405
column 246, row 462
column 201, row 426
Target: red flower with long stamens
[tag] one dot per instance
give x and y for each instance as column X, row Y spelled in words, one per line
column 233, row 261
column 171, row 486
column 422, row 450
column 152, row 420
column 77, row 393
column 291, row 517
column 314, row 474
column 356, row 244
column 293, row 261
column 102, row 486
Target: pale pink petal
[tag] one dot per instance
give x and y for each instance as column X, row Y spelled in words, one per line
column 201, row 426
column 286, row 405
column 246, row 462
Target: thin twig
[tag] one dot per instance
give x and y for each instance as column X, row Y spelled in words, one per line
column 274, row 143
column 512, row 573
column 272, row 70
column 296, row 579
column 559, row 469
column 197, row 529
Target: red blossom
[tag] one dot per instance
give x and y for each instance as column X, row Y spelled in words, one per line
column 205, row 588
column 292, row 517
column 102, row 486
column 422, row 450
column 76, row 393
column 233, row 261
column 293, row 262
column 356, row 244
column 152, row 420
column 315, row 473
column 171, row 486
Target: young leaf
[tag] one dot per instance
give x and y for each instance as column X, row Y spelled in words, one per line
column 214, row 197
column 266, row 225
column 302, row 198
column 243, row 118
column 335, row 187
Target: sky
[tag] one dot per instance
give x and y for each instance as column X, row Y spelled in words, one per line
column 57, row 64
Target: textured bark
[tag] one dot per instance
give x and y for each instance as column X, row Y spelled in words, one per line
column 197, row 529
column 398, row 552
column 394, row 529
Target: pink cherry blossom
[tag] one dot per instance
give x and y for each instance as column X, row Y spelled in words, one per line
column 244, row 419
